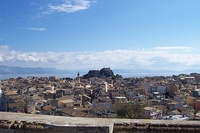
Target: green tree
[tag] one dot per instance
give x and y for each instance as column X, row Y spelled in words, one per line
column 118, row 76
column 130, row 111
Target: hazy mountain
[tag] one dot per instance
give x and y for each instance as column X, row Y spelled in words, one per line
column 146, row 72
column 141, row 71
column 28, row 70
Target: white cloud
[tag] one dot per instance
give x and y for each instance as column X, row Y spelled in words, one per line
column 182, row 48
column 155, row 58
column 69, row 6
column 4, row 47
column 36, row 29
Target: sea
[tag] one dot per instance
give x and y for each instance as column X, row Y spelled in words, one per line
column 74, row 75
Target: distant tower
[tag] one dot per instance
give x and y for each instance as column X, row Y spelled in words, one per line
column 53, row 89
column 106, row 86
column 78, row 77
column 0, row 94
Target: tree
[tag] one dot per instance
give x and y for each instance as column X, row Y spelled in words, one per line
column 118, row 76
column 128, row 110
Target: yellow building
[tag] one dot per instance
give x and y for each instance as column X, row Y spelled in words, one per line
column 190, row 100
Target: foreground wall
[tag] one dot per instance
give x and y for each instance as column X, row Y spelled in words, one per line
column 29, row 123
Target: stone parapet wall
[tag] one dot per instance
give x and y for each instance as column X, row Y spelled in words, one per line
column 157, row 128
column 29, row 123
column 34, row 127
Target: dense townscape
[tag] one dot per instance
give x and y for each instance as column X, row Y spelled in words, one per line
column 100, row 93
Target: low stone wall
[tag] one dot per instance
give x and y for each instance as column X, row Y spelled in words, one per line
column 16, row 126
column 29, row 123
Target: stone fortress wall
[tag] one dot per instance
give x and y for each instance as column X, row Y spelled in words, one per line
column 30, row 123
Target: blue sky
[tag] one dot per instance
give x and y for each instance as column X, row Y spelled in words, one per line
column 91, row 34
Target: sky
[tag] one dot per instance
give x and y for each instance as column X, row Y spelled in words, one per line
column 92, row 34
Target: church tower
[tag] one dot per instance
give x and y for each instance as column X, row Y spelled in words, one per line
column 78, row 77
column 0, row 94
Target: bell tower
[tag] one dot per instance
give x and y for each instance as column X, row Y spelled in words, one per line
column 78, row 77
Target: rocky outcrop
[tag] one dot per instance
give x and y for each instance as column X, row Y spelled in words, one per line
column 92, row 73
column 104, row 72
column 107, row 72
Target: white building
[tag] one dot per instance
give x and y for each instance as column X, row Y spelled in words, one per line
column 102, row 105
column 176, row 117
column 152, row 113
column 121, row 100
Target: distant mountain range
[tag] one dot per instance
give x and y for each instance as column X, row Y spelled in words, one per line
column 146, row 72
column 29, row 70
column 142, row 71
